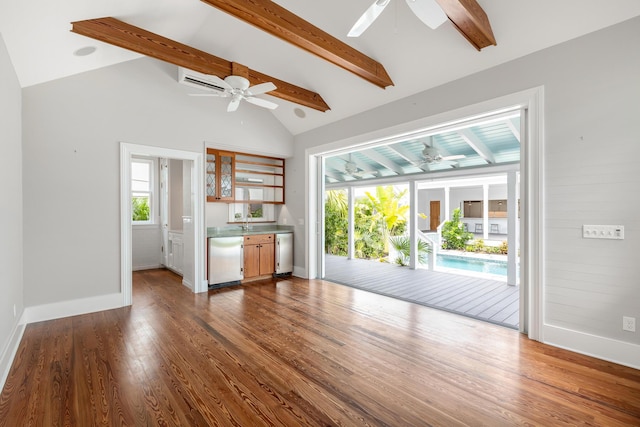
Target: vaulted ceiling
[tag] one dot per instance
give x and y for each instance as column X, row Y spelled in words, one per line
column 416, row 58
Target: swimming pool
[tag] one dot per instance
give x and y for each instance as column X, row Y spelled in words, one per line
column 472, row 264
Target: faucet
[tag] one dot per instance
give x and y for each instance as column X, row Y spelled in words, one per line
column 247, row 227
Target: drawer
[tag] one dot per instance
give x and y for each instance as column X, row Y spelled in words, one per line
column 258, row 239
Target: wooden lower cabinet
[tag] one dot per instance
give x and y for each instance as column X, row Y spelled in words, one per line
column 259, row 256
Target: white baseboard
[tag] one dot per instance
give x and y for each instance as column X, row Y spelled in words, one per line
column 146, row 267
column 300, row 272
column 188, row 284
column 615, row 351
column 9, row 352
column 61, row 309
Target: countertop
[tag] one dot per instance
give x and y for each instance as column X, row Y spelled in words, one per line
column 236, row 230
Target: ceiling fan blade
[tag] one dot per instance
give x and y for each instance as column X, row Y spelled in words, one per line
column 262, row 103
column 456, row 157
column 261, row 88
column 234, row 104
column 368, row 17
column 429, row 12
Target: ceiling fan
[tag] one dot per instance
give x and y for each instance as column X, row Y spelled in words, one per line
column 428, row 11
column 431, row 155
column 237, row 88
column 351, row 169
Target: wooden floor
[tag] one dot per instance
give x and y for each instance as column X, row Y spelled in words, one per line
column 295, row 352
column 489, row 300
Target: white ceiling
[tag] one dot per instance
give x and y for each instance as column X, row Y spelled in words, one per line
column 417, row 58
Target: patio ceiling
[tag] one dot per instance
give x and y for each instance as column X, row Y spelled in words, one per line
column 475, row 144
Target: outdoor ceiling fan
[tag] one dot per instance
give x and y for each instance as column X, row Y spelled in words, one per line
column 432, row 155
column 237, row 88
column 428, row 11
column 351, row 169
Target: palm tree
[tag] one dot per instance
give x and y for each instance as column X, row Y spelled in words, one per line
column 387, row 215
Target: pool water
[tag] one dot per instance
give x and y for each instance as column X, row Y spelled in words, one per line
column 472, row 264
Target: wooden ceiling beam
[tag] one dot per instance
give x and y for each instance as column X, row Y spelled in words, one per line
column 470, row 20
column 118, row 33
column 278, row 21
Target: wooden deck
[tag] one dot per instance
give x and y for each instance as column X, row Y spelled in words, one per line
column 488, row 300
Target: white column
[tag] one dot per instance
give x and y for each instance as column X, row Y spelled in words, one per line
column 512, row 228
column 413, row 224
column 447, row 211
column 485, row 211
column 351, row 252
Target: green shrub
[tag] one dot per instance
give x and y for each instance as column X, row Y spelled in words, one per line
column 402, row 244
column 140, row 209
column 453, row 233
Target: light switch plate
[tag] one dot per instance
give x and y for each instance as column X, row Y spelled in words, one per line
column 615, row 232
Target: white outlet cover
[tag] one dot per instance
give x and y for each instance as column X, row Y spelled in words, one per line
column 614, row 232
column 629, row 324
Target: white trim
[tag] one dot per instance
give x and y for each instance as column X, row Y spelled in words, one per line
column 57, row 310
column 299, row 272
column 531, row 166
column 532, row 235
column 9, row 353
column 615, row 351
column 187, row 284
column 148, row 267
column 128, row 150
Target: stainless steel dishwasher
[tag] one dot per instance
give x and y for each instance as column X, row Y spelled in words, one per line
column 226, row 260
column 284, row 253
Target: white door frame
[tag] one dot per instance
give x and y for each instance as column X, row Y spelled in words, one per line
column 532, row 179
column 128, row 150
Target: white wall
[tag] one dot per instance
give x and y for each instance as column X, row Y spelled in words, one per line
column 592, row 89
column 176, row 200
column 146, row 242
column 72, row 128
column 11, row 258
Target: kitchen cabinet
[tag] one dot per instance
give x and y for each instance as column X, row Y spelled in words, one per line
column 220, row 176
column 175, row 252
column 259, row 179
column 233, row 177
column 259, row 252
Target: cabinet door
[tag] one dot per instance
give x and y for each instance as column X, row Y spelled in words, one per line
column 267, row 257
column 251, row 260
column 220, row 176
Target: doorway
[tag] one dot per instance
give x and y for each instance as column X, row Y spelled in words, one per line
column 434, row 215
column 530, row 135
column 193, row 216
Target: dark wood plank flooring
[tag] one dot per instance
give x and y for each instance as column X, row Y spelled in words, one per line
column 485, row 299
column 292, row 352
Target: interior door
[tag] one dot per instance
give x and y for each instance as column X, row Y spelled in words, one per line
column 434, row 215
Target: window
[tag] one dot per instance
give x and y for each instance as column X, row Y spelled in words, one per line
column 142, row 190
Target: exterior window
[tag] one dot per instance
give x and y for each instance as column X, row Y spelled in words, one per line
column 142, row 171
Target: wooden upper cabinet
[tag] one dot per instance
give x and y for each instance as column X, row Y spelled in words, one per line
column 259, row 179
column 244, row 178
column 220, row 176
